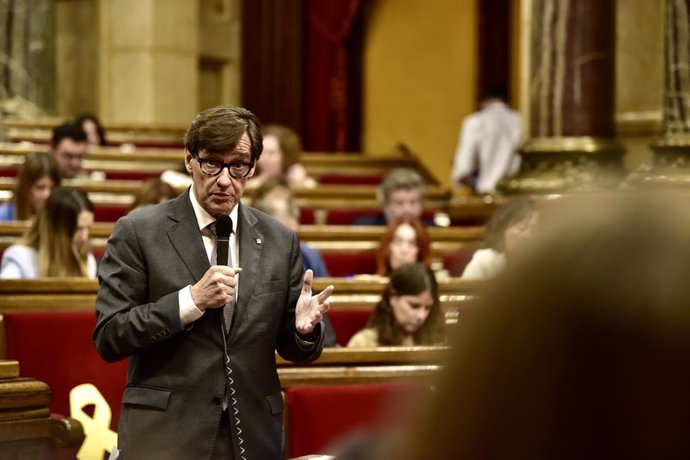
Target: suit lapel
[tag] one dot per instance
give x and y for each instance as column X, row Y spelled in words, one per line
column 251, row 248
column 185, row 236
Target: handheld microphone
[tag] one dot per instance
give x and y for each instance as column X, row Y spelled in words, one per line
column 223, row 231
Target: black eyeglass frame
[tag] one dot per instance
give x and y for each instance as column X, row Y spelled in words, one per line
column 223, row 165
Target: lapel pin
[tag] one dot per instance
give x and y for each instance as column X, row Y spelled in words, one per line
column 258, row 241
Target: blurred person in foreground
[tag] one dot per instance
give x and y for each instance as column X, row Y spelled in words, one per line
column 57, row 243
column 509, row 228
column 582, row 353
column 401, row 194
column 409, row 312
column 405, row 241
column 36, row 179
column 201, row 333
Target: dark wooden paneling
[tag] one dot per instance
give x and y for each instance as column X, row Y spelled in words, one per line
column 273, row 60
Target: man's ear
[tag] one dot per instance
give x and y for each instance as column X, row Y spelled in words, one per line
column 188, row 161
column 251, row 173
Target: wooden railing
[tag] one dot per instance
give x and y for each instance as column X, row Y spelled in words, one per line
column 365, row 365
column 324, row 237
column 350, row 293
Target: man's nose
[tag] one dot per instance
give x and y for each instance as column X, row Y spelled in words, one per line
column 224, row 178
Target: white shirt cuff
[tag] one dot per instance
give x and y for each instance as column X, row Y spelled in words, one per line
column 189, row 312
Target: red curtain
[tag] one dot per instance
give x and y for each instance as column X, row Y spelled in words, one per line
column 327, row 91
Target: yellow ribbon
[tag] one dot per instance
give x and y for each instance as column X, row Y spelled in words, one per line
column 98, row 436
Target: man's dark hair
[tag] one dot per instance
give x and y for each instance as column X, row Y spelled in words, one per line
column 67, row 130
column 495, row 92
column 220, row 129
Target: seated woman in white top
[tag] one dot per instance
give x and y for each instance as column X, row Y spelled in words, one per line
column 408, row 314
column 57, row 243
column 506, row 231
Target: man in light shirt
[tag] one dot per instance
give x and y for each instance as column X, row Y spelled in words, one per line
column 487, row 144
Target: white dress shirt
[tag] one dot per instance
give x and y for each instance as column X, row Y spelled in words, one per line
column 189, row 312
column 487, row 143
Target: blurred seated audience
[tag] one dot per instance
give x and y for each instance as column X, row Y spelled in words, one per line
column 409, row 312
column 95, row 134
column 281, row 158
column 36, row 179
column 506, row 232
column 404, row 242
column 68, row 147
column 153, row 191
column 275, row 198
column 57, row 243
column 581, row 349
column 179, row 178
column 401, row 194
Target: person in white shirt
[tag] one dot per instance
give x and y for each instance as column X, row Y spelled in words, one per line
column 57, row 243
column 510, row 227
column 487, row 144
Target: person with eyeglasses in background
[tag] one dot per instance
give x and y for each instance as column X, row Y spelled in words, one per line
column 201, row 334
column 69, row 149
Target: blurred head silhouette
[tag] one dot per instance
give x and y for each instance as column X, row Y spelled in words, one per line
column 580, row 348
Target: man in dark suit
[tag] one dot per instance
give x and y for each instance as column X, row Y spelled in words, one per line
column 200, row 337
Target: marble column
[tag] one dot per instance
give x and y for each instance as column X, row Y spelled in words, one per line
column 672, row 149
column 149, row 63
column 27, row 58
column 570, row 141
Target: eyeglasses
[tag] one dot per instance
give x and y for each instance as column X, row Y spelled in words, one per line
column 237, row 169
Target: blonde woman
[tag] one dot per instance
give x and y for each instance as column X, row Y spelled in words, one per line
column 36, row 179
column 57, row 243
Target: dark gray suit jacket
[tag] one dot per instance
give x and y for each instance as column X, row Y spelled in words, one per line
column 171, row 407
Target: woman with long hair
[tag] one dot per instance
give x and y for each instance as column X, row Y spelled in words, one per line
column 95, row 133
column 506, row 232
column 408, row 314
column 57, row 243
column 281, row 157
column 36, row 179
column 404, row 242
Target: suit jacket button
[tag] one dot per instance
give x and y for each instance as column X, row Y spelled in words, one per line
column 216, row 400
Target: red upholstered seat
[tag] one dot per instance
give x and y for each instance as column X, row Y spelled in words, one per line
column 345, row 179
column 348, row 216
column 56, row 348
column 109, row 212
column 325, row 415
column 131, row 175
column 347, row 322
column 456, row 262
column 8, row 171
column 343, row 264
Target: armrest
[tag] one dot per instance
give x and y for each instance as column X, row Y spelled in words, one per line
column 66, row 431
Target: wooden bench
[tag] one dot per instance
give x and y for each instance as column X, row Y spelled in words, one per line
column 144, row 134
column 342, row 168
column 347, row 250
column 25, row 424
column 49, row 294
column 70, row 360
